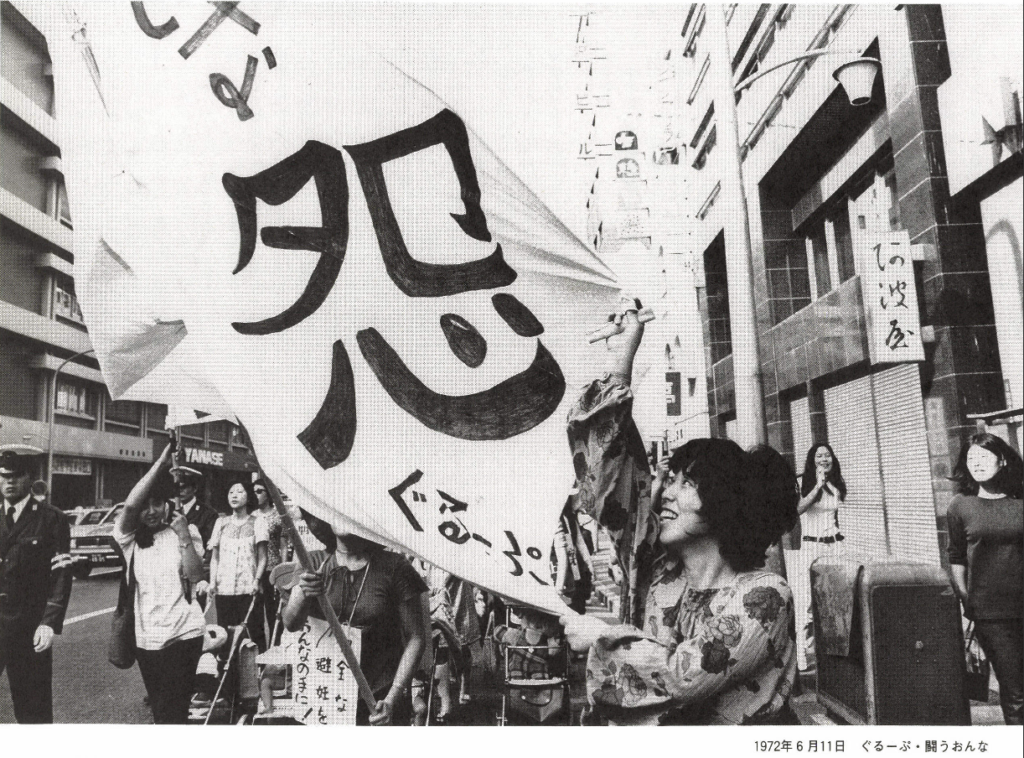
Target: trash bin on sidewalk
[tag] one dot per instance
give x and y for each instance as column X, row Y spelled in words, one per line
column 889, row 642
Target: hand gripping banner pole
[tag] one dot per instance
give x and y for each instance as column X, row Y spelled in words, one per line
column 365, row 693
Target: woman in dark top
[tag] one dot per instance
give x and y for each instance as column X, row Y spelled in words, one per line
column 986, row 546
column 381, row 594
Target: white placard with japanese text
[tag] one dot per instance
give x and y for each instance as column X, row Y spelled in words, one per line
column 324, row 690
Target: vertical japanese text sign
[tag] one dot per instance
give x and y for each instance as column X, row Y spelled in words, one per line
column 325, row 691
column 890, row 301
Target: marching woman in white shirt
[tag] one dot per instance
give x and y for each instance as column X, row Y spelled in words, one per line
column 822, row 491
column 164, row 553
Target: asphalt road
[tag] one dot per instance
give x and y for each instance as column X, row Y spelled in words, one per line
column 86, row 688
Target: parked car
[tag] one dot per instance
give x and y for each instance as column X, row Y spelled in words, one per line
column 92, row 541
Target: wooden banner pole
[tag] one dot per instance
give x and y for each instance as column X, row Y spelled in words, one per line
column 365, row 692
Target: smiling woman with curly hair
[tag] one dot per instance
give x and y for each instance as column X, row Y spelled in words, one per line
column 715, row 643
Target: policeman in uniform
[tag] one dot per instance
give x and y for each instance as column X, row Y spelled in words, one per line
column 199, row 515
column 196, row 513
column 35, row 585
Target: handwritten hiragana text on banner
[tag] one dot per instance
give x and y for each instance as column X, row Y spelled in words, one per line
column 325, row 691
column 446, row 514
column 223, row 88
column 509, row 408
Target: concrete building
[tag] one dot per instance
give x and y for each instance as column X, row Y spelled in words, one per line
column 894, row 374
column 629, row 124
column 101, row 447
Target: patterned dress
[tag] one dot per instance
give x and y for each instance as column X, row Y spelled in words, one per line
column 715, row 656
column 613, row 483
column 687, row 655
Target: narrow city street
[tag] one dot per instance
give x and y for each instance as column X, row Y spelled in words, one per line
column 86, row 688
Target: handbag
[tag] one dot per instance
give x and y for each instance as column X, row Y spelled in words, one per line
column 976, row 677
column 121, row 646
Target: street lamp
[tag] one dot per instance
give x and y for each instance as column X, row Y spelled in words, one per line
column 53, row 416
column 857, row 79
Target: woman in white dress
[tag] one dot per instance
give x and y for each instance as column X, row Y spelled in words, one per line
column 822, row 491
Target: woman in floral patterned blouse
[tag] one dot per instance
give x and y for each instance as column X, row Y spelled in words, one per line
column 717, row 643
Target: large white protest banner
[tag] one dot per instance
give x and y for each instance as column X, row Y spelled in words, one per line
column 274, row 222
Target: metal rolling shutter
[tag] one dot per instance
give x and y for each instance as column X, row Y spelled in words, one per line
column 800, row 417
column 906, row 472
column 850, row 416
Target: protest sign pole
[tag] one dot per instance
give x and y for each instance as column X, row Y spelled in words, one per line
column 365, row 692
column 176, row 455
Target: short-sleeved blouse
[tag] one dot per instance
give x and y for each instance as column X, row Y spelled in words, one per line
column 236, row 561
column 386, row 582
column 163, row 613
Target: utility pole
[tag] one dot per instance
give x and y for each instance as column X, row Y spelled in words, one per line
column 746, row 366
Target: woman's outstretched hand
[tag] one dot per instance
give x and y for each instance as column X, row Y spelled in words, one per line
column 631, row 335
column 582, row 631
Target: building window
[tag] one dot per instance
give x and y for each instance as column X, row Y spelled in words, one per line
column 219, row 431
column 702, row 155
column 839, row 218
column 76, row 399
column 123, row 413
column 817, row 250
column 26, row 59
column 894, row 201
column 65, row 304
column 194, row 432
column 717, row 300
column 62, row 209
column 156, row 419
column 699, row 80
column 237, row 437
column 690, row 45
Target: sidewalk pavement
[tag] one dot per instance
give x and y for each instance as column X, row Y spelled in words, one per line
column 807, row 708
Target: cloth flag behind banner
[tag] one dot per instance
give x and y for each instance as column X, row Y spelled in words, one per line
column 275, row 224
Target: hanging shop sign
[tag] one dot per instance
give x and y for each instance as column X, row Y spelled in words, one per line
column 890, row 301
column 673, row 394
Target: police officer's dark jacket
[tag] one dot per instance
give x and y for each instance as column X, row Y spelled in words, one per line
column 35, row 569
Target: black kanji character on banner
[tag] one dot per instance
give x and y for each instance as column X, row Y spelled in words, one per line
column 505, row 410
column 223, row 88
column 146, row 25
column 514, row 405
column 277, row 185
column 413, row 277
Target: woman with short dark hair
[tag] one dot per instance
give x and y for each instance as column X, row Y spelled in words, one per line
column 986, row 545
column 715, row 645
column 164, row 555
